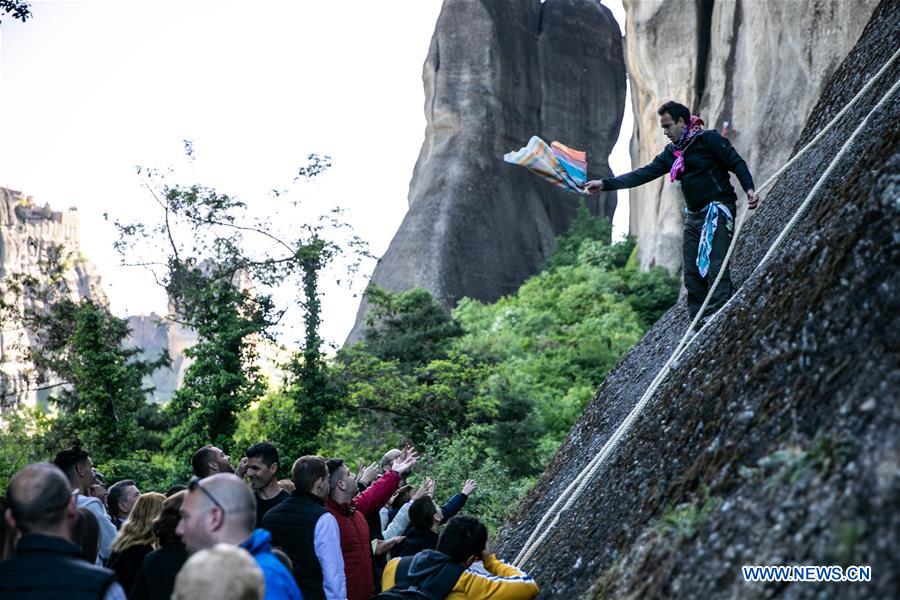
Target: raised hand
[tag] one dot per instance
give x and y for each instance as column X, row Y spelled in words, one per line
column 470, row 486
column 405, row 461
column 368, row 474
column 423, row 489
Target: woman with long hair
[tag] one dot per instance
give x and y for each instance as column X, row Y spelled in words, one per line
column 156, row 578
column 135, row 539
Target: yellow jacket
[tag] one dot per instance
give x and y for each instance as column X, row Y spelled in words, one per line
column 505, row 582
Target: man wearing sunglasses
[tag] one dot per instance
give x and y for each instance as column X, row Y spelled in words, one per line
column 220, row 509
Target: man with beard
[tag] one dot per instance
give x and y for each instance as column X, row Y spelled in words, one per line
column 210, row 460
column 262, row 472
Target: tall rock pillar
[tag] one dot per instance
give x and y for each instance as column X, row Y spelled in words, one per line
column 498, row 72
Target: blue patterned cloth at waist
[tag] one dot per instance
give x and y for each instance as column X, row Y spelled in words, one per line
column 708, row 232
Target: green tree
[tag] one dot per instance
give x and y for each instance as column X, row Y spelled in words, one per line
column 223, row 378
column 409, row 327
column 311, row 391
column 583, row 227
column 78, row 350
column 25, row 438
column 222, row 266
column 18, row 8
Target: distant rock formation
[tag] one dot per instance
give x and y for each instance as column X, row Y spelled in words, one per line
column 27, row 233
column 774, row 439
column 154, row 334
column 498, row 72
column 757, row 66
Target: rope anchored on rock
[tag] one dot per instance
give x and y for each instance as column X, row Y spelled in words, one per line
column 577, row 486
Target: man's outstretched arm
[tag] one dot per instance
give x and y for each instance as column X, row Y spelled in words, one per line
column 657, row 167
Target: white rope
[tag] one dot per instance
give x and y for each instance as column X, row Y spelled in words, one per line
column 584, row 477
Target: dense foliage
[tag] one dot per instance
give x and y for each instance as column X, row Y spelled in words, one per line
column 487, row 391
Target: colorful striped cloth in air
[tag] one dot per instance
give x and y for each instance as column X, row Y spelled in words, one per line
column 557, row 163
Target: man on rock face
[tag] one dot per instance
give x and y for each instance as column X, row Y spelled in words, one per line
column 700, row 159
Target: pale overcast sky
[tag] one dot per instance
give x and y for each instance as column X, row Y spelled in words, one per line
column 89, row 89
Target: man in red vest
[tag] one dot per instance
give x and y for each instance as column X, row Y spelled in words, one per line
column 351, row 510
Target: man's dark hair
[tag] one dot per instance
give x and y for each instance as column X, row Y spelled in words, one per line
column 70, row 458
column 307, row 470
column 334, row 470
column 178, row 487
column 404, row 494
column 676, row 111
column 115, row 493
column 86, row 534
column 265, row 451
column 200, row 460
column 464, row 536
column 38, row 497
column 421, row 513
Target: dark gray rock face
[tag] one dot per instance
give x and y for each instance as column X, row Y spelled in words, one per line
column 498, row 72
column 776, row 439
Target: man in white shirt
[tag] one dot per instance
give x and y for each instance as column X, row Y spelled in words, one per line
column 77, row 466
column 309, row 534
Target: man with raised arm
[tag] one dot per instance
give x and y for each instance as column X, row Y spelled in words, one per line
column 351, row 509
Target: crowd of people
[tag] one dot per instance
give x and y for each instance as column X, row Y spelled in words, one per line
column 238, row 532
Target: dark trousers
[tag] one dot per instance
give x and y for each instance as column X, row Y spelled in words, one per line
column 697, row 286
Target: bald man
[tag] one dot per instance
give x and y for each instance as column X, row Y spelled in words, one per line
column 220, row 509
column 42, row 508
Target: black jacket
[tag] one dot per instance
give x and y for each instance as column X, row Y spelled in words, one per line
column 156, row 578
column 707, row 160
column 127, row 564
column 292, row 525
column 416, row 541
column 51, row 568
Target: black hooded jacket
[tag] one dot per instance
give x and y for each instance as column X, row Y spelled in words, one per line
column 430, row 571
column 708, row 158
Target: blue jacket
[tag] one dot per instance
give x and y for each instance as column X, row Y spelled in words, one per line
column 280, row 584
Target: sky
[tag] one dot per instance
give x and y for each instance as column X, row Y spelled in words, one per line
column 90, row 89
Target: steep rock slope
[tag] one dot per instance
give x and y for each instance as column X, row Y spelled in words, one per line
column 27, row 233
column 776, row 439
column 498, row 72
column 759, row 66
